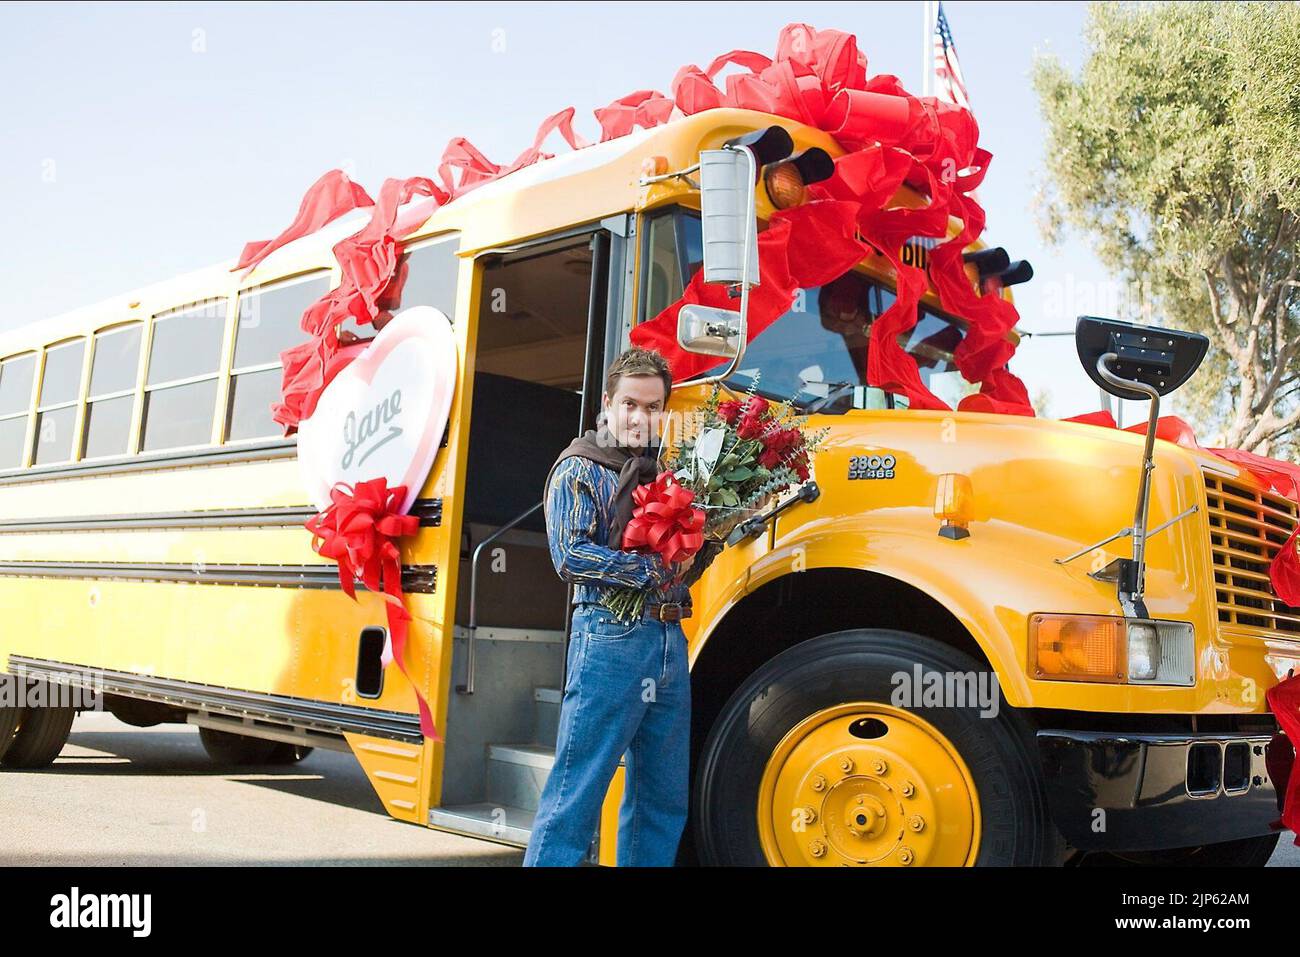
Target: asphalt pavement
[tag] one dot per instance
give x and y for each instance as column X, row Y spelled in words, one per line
column 121, row 795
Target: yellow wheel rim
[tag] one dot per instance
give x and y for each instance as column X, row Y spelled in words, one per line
column 867, row 784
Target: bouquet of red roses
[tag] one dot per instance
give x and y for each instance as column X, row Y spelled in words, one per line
column 739, row 453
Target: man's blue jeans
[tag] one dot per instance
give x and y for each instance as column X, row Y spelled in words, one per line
column 628, row 690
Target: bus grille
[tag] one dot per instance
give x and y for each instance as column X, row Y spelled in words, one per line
column 1246, row 530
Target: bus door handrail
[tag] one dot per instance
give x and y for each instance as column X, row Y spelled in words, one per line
column 468, row 686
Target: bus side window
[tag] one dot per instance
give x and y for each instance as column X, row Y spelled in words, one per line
column 269, row 322
column 16, row 376
column 181, row 386
column 426, row 276
column 114, row 370
column 56, row 412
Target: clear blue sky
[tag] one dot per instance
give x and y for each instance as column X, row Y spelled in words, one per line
column 138, row 141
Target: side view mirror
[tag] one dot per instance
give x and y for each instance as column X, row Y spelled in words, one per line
column 727, row 223
column 1136, row 362
column 709, row 331
column 729, row 230
column 730, row 238
column 1132, row 361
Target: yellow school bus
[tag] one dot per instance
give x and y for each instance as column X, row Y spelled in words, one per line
column 919, row 660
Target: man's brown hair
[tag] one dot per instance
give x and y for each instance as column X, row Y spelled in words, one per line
column 638, row 361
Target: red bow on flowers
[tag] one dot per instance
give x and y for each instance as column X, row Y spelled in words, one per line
column 357, row 531
column 666, row 520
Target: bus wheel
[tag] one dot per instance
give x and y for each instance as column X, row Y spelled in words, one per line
column 810, row 763
column 225, row 747
column 42, row 733
column 1247, row 852
column 8, row 725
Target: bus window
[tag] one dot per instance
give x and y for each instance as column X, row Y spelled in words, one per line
column 269, row 323
column 815, row 354
column 426, row 276
column 56, row 412
column 674, row 251
column 16, row 375
column 181, row 387
column 114, row 368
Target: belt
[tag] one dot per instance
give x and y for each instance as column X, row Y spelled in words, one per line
column 666, row 611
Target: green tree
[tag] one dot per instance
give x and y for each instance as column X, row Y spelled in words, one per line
column 1177, row 150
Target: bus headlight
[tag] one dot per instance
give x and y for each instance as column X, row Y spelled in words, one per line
column 1143, row 651
column 1112, row 649
column 1161, row 652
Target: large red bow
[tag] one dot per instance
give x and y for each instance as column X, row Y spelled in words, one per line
column 357, row 531
column 819, row 77
column 666, row 520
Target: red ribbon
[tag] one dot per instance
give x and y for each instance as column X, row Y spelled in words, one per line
column 357, row 531
column 818, row 77
column 325, row 201
column 1284, row 701
column 666, row 520
column 891, row 138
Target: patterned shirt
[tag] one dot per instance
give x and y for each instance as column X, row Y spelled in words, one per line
column 579, row 511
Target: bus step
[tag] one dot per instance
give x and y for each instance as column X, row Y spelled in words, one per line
column 546, row 704
column 516, row 774
column 511, row 825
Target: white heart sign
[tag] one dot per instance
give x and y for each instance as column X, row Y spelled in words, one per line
column 385, row 412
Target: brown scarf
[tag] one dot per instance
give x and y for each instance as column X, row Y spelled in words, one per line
column 634, row 465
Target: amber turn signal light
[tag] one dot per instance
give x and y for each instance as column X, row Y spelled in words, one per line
column 654, row 166
column 787, row 181
column 785, row 187
column 1077, row 647
column 952, row 504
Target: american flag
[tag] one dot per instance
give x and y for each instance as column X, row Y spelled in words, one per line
column 949, row 84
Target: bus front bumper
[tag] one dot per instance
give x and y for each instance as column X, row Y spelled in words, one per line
column 1141, row 792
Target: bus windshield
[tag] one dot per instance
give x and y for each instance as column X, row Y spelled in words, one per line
column 815, row 354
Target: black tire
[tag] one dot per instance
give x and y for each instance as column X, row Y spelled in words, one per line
column 9, row 718
column 1247, row 852
column 857, row 665
column 42, row 733
column 225, row 747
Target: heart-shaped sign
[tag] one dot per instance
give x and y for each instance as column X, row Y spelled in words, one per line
column 385, row 412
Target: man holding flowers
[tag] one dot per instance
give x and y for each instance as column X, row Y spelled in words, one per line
column 627, row 689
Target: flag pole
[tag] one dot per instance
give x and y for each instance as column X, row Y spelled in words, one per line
column 927, row 47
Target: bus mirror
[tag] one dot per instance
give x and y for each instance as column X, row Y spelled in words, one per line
column 709, row 331
column 728, row 227
column 1131, row 361
column 1136, row 362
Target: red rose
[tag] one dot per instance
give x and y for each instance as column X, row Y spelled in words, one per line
column 755, row 405
column 750, row 427
column 782, row 440
column 729, row 411
column 769, row 458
